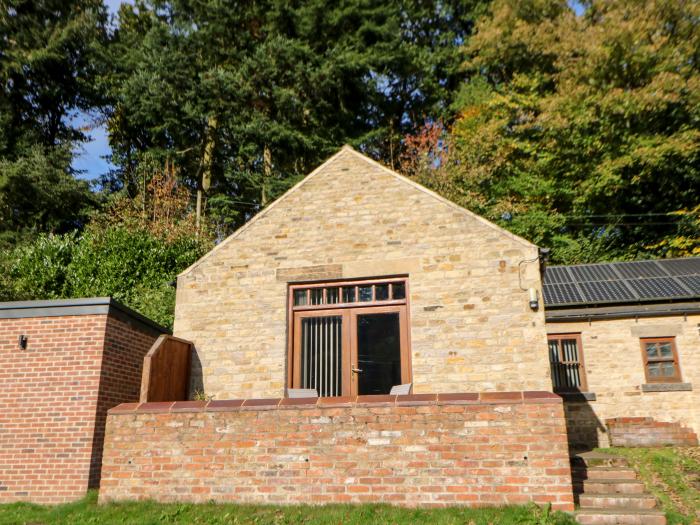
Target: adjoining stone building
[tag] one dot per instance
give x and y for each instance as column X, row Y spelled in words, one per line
column 624, row 342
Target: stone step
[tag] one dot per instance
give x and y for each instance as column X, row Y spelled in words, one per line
column 620, row 517
column 597, row 459
column 604, row 473
column 613, row 486
column 617, row 501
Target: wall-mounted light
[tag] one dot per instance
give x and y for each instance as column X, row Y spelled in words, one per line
column 534, row 301
column 22, row 343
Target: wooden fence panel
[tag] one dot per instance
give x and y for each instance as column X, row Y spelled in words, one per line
column 166, row 370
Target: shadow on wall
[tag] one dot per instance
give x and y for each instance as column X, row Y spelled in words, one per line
column 196, row 379
column 583, row 427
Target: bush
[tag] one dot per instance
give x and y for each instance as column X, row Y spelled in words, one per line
column 129, row 264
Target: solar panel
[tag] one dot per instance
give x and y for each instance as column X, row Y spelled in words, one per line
column 622, row 282
column 658, row 288
column 556, row 274
column 606, row 291
column 561, row 294
column 639, row 269
column 690, row 266
column 594, row 272
column 691, row 281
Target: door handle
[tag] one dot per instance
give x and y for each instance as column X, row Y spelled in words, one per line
column 357, row 370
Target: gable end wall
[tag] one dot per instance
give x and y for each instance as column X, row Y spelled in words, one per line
column 471, row 327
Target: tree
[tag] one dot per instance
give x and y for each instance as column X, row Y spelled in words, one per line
column 245, row 99
column 48, row 65
column 132, row 252
column 582, row 133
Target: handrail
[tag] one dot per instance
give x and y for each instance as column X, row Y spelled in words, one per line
column 166, row 370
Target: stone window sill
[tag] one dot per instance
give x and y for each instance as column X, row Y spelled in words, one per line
column 667, row 387
column 577, row 396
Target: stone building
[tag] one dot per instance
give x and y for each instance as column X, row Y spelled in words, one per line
column 355, row 262
column 359, row 279
column 624, row 345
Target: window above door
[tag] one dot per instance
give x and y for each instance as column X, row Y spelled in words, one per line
column 349, row 293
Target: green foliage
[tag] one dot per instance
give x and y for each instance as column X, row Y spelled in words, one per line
column 131, row 265
column 38, row 194
column 87, row 511
column 245, row 101
column 48, row 65
column 582, row 133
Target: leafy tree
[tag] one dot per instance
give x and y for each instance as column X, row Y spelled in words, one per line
column 38, row 194
column 131, row 252
column 582, row 132
column 48, row 64
column 244, row 99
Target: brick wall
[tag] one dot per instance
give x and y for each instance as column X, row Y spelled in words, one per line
column 471, row 327
column 646, row 432
column 126, row 343
column 54, row 398
column 615, row 372
column 421, row 450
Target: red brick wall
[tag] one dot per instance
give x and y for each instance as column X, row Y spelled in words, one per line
column 426, row 450
column 647, row 432
column 126, row 343
column 54, row 399
column 47, row 406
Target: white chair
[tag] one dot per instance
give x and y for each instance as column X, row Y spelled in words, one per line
column 401, row 390
column 295, row 393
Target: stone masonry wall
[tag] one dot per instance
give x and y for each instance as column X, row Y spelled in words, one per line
column 470, row 324
column 615, row 372
column 420, row 450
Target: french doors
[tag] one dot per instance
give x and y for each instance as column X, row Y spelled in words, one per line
column 353, row 347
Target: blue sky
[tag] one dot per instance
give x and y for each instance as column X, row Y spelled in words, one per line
column 90, row 156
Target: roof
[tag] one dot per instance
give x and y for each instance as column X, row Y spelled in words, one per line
column 622, row 283
column 79, row 306
column 362, row 159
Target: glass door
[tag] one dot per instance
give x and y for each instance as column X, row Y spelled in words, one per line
column 379, row 350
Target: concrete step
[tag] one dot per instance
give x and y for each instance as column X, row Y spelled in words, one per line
column 617, row 501
column 604, row 473
column 613, row 486
column 597, row 459
column 620, row 517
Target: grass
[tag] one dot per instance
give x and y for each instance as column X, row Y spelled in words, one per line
column 87, row 511
column 672, row 474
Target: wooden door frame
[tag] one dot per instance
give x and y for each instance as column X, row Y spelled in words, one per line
column 404, row 350
column 349, row 341
column 344, row 314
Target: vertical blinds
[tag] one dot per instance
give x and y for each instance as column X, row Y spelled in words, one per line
column 321, row 354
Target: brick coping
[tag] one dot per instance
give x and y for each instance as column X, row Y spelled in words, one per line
column 233, row 405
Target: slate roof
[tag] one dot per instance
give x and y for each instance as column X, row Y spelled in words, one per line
column 622, row 282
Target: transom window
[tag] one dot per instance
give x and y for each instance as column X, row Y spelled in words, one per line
column 350, row 293
column 349, row 338
column 660, row 360
column 566, row 362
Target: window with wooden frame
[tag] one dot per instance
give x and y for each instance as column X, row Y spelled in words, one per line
column 660, row 360
column 349, row 337
column 566, row 363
